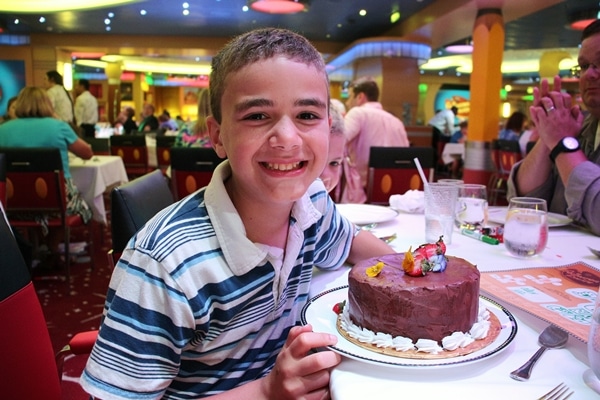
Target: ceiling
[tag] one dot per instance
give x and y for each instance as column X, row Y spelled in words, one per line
column 531, row 26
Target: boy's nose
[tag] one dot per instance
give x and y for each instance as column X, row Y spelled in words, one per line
column 285, row 134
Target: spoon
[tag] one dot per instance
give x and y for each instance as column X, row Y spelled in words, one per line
column 595, row 252
column 551, row 338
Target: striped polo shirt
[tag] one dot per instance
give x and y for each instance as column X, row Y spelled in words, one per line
column 194, row 308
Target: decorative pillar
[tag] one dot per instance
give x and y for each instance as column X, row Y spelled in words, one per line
column 485, row 85
column 113, row 72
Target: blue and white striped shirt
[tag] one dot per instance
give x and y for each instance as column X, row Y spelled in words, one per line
column 194, row 308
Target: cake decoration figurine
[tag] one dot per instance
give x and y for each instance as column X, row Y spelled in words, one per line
column 426, row 258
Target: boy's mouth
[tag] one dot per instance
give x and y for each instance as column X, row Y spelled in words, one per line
column 284, row 167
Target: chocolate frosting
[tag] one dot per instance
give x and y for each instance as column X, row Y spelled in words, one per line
column 425, row 307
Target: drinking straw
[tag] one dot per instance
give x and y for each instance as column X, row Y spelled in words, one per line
column 421, row 173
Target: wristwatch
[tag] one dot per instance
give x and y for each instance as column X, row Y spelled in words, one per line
column 568, row 144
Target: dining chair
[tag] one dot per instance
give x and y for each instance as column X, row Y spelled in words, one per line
column 505, row 154
column 134, row 152
column 163, row 151
column 133, row 204
column 35, row 186
column 25, row 344
column 191, row 169
column 392, row 170
column 100, row 146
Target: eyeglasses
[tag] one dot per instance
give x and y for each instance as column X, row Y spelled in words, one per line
column 584, row 67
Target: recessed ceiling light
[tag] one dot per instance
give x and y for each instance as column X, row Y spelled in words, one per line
column 143, row 12
column 33, row 6
column 362, row 13
column 186, row 12
column 42, row 20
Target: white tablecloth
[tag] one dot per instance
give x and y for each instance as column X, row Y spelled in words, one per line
column 93, row 177
column 452, row 151
column 488, row 378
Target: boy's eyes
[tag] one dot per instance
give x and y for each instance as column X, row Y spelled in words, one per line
column 308, row 115
column 335, row 163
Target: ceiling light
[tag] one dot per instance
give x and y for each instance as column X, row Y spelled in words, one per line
column 580, row 19
column 278, row 6
column 36, row 6
column 461, row 47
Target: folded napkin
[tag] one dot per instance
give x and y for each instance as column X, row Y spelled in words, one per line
column 413, row 201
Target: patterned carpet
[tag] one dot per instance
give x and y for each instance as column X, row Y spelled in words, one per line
column 75, row 307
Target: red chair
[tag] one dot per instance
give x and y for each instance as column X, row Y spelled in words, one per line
column 24, row 339
column 505, row 154
column 392, row 170
column 134, row 152
column 191, row 169
column 35, row 185
column 163, row 151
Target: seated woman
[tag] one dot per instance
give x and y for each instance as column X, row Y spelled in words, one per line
column 35, row 127
column 195, row 134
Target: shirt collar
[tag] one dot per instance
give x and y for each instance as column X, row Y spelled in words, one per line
column 241, row 254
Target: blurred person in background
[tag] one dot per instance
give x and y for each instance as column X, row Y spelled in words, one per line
column 86, row 108
column 337, row 147
column 10, row 110
column 61, row 101
column 35, row 126
column 368, row 125
column 149, row 121
column 515, row 125
column 195, row 133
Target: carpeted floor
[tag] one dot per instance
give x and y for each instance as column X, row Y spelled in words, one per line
column 75, row 307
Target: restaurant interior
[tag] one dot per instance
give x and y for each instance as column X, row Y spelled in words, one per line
column 483, row 56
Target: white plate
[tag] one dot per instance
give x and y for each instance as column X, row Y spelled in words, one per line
column 364, row 214
column 319, row 313
column 498, row 215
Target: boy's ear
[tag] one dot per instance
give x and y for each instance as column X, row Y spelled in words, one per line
column 214, row 132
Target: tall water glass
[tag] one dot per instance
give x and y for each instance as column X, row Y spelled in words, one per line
column 526, row 226
column 472, row 206
column 440, row 207
column 592, row 377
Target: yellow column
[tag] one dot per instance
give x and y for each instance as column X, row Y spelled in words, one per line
column 486, row 81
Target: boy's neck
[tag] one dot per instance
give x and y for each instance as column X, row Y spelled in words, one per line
column 264, row 223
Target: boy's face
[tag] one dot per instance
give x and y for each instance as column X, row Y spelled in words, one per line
column 274, row 129
column 331, row 174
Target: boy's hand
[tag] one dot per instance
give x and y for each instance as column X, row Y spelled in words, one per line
column 298, row 372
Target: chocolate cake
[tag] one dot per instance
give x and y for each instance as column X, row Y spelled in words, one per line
column 417, row 307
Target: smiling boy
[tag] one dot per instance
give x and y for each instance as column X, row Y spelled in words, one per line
column 206, row 297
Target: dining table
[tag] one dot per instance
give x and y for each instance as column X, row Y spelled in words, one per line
column 453, row 151
column 96, row 176
column 362, row 377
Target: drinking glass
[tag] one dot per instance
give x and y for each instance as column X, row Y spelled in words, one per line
column 592, row 376
column 471, row 207
column 526, row 226
column 440, row 207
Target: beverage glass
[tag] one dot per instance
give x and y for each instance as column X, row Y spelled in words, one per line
column 471, row 207
column 440, row 206
column 526, row 226
column 592, row 377
column 448, row 180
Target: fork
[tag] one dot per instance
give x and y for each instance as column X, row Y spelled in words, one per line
column 558, row 393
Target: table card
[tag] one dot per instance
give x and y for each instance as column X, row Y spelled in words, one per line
column 563, row 295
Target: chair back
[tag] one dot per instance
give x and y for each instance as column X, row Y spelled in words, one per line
column 35, row 181
column 392, row 170
column 100, row 146
column 509, row 152
column 3, row 180
column 134, row 203
column 163, row 150
column 25, row 344
column 191, row 169
column 134, row 152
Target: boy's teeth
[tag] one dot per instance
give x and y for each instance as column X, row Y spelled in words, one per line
column 284, row 167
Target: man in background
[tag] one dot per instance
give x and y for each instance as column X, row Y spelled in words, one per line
column 149, row 121
column 86, row 108
column 59, row 97
column 368, row 125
